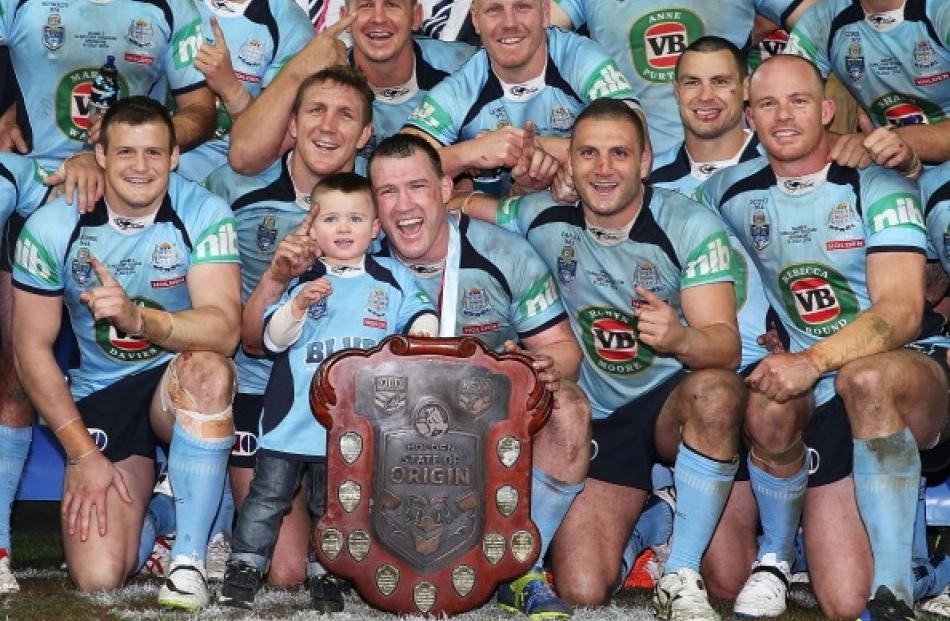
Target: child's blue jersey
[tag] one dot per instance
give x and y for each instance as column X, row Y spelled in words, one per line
column 895, row 64
column 673, row 245
column 365, row 307
column 434, row 61
column 505, row 292
column 674, row 170
column 21, row 186
column 935, row 196
column 646, row 38
column 266, row 208
column 262, row 35
column 810, row 238
column 57, row 47
column 53, row 257
column 473, row 99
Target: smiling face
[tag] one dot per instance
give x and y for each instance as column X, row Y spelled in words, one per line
column 345, row 226
column 788, row 113
column 383, row 28
column 411, row 199
column 710, row 93
column 513, row 33
column 329, row 128
column 609, row 164
column 137, row 162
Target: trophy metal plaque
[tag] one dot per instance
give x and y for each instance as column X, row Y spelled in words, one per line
column 429, row 471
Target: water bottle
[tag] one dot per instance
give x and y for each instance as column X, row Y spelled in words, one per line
column 105, row 90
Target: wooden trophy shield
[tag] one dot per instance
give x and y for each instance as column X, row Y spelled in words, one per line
column 429, row 471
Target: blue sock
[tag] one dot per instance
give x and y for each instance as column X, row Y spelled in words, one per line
column 14, row 448
column 931, row 576
column 653, row 527
column 550, row 500
column 801, row 563
column 702, row 488
column 780, row 503
column 196, row 469
column 886, row 474
column 159, row 521
column 224, row 519
column 921, row 551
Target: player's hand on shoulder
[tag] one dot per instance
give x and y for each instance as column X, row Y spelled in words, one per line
column 80, row 179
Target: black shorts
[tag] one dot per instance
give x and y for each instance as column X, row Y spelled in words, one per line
column 11, row 230
column 247, row 417
column 935, row 459
column 117, row 416
column 828, row 443
column 623, row 450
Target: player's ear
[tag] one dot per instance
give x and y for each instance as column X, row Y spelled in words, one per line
column 375, row 227
column 827, row 111
column 174, row 157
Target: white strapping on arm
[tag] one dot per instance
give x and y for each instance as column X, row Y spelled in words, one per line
column 283, row 329
column 427, row 324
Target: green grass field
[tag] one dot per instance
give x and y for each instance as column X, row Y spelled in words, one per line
column 47, row 594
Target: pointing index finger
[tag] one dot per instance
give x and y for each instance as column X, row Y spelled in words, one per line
column 219, row 40
column 339, row 27
column 307, row 224
column 105, row 276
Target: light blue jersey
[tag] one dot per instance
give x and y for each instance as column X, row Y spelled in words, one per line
column 675, row 170
column 895, row 64
column 646, row 38
column 53, row 257
column 21, row 186
column 474, row 99
column 57, row 47
column 434, row 61
column 366, row 306
column 266, row 208
column 505, row 292
column 673, row 245
column 935, row 195
column 262, row 36
column 810, row 238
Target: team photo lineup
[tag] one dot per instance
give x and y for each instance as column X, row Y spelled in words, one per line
column 717, row 233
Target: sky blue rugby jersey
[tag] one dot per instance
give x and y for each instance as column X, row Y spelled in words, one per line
column 810, row 238
column 505, row 292
column 365, row 307
column 674, row 170
column 57, row 47
column 262, row 35
column 935, row 196
column 895, row 64
column 53, row 257
column 646, row 38
column 434, row 61
column 21, row 186
column 266, row 208
column 673, row 245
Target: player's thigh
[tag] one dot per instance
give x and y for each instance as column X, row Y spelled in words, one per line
column 840, row 564
column 728, row 559
column 104, row 562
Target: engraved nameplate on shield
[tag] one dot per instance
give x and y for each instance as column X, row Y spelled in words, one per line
column 429, row 471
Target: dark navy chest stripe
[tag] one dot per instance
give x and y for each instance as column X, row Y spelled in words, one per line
column 259, row 12
column 674, row 171
column 427, row 76
column 281, row 189
column 914, row 11
column 942, row 194
column 472, row 259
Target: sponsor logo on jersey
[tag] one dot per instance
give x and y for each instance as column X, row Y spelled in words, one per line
column 882, row 22
column 392, row 93
column 245, row 444
column 658, row 38
column 123, row 347
column 607, row 81
column 218, row 243
column 710, row 260
column 760, row 230
column 774, row 44
column 127, row 224
column 54, row 34
column 377, row 301
column 842, row 217
column 900, row 209
column 72, row 101
column 902, row 110
column 31, row 257
column 610, row 341
column 267, row 234
column 706, row 170
column 186, row 43
column 818, row 299
column 854, row 61
column 165, row 257
column 475, row 302
column 317, row 309
column 141, row 33
column 924, row 55
column 81, row 268
column 430, row 115
column 566, row 265
column 252, row 53
column 930, row 80
column 523, row 91
column 247, row 78
column 370, row 322
column 538, row 298
column 797, row 186
column 481, row 328
column 167, row 283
